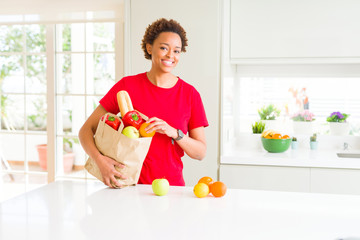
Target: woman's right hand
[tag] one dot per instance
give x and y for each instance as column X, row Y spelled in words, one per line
column 107, row 168
column 105, row 164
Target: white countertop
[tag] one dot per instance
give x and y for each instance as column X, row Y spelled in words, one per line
column 90, row 210
column 292, row 158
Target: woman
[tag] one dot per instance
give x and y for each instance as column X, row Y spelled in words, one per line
column 173, row 106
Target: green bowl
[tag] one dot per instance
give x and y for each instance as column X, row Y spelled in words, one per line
column 276, row 145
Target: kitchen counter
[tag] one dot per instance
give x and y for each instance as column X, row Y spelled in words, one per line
column 292, row 158
column 90, row 210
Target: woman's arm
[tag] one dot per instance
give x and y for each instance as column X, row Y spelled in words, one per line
column 86, row 137
column 193, row 145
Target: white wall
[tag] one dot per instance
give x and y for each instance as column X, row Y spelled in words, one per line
column 199, row 66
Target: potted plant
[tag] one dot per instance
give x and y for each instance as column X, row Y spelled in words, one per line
column 313, row 142
column 338, row 124
column 268, row 114
column 294, row 143
column 68, row 154
column 258, row 127
column 302, row 122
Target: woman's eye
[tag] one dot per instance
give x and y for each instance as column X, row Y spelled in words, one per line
column 177, row 51
column 163, row 48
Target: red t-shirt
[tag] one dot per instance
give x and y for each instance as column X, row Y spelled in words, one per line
column 180, row 106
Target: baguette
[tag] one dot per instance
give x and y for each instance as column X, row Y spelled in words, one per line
column 124, row 102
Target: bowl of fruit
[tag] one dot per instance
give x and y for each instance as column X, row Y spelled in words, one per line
column 274, row 142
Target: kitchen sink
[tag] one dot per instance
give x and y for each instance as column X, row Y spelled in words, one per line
column 348, row 155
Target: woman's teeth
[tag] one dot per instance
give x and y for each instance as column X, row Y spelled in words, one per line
column 167, row 63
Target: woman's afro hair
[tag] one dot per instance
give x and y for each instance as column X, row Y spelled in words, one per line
column 159, row 26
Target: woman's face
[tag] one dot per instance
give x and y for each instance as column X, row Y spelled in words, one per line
column 165, row 51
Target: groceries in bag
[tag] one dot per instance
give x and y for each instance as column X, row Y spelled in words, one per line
column 131, row 152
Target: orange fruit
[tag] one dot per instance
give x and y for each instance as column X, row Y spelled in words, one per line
column 201, row 190
column 285, row 137
column 276, row 136
column 207, row 180
column 142, row 131
column 218, row 189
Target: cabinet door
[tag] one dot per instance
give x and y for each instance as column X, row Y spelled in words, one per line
column 294, row 29
column 338, row 181
column 266, row 178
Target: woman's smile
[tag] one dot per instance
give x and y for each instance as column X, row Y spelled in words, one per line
column 165, row 51
column 167, row 63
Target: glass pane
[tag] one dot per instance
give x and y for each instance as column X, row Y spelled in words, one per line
column 36, row 181
column 35, row 38
column 100, row 73
column 72, row 110
column 36, row 74
column 12, row 148
column 243, row 97
column 70, row 158
column 65, row 157
column 36, row 111
column 70, row 37
column 12, row 112
column 36, row 158
column 36, row 152
column 12, row 74
column 11, row 185
column 70, row 73
column 72, row 147
column 100, row 37
column 14, row 184
column 11, row 38
column 91, row 103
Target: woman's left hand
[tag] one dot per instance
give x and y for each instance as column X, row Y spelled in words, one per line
column 194, row 145
column 160, row 126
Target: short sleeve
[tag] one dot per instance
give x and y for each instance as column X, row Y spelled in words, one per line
column 198, row 116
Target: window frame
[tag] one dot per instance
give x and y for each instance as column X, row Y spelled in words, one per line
column 51, row 94
column 233, row 72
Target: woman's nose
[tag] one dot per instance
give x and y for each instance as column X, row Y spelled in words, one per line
column 169, row 54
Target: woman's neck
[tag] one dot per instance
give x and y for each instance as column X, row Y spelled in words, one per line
column 163, row 80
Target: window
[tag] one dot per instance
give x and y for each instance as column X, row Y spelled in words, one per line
column 324, row 97
column 85, row 56
column 85, row 62
column 328, row 88
column 23, row 103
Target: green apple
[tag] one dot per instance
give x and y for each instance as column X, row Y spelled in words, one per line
column 160, row 186
column 131, row 132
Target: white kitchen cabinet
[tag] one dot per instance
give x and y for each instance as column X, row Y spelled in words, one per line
column 339, row 181
column 293, row 179
column 266, row 177
column 294, row 31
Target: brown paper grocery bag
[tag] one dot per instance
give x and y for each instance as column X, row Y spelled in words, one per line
column 128, row 151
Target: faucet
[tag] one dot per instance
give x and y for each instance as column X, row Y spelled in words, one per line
column 346, row 146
